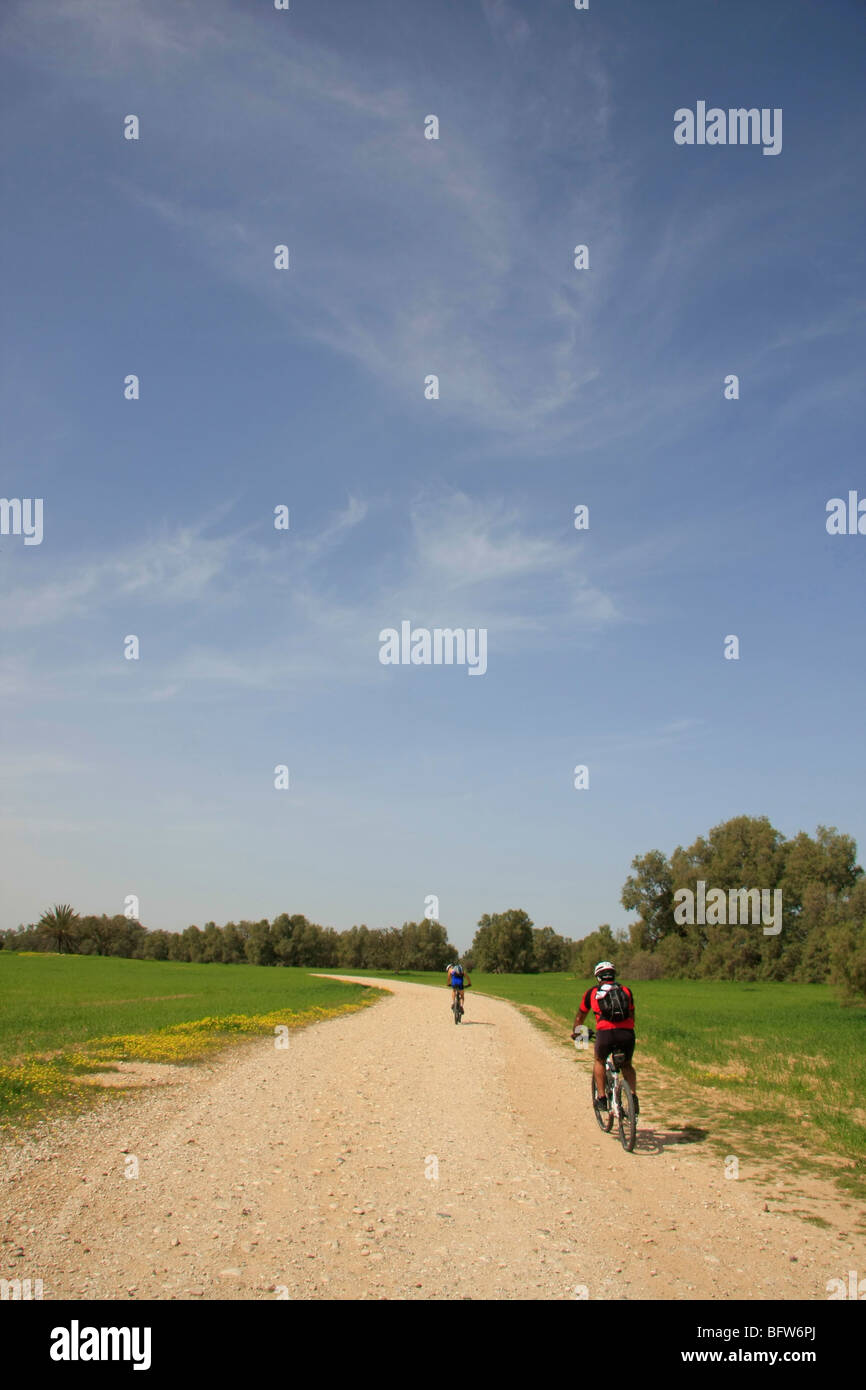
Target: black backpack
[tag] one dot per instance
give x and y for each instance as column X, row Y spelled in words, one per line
column 613, row 1003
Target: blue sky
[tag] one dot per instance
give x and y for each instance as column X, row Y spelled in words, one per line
column 306, row 388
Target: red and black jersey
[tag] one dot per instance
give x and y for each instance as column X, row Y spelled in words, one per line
column 588, row 1004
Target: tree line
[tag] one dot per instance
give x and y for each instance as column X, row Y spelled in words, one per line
column 822, row 937
column 823, row 895
column 506, row 941
column 287, row 940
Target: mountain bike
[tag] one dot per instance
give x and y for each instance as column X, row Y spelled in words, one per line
column 620, row 1101
column 457, row 1007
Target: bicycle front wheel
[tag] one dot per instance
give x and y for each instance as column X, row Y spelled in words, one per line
column 627, row 1117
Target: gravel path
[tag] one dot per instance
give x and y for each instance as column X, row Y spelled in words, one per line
column 388, row 1154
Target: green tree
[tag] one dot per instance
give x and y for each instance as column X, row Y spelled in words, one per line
column 353, row 947
column 379, row 951
column 24, row 938
column 649, row 891
column 503, row 942
column 743, row 852
column 601, row 944
column 155, row 945
column 129, row 937
column 259, row 945
column 433, row 949
column 61, row 925
column 192, row 944
column 550, row 951
column 232, row 945
column 820, row 873
column 817, row 877
column 847, row 946
column 211, row 944
column 314, row 948
column 96, row 935
column 286, row 937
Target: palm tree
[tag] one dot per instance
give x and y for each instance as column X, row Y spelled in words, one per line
column 60, row 923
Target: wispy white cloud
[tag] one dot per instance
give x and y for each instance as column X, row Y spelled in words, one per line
column 847, row 319
column 449, row 263
column 458, row 561
column 414, row 257
column 483, row 554
column 312, row 548
column 111, row 38
column 175, row 567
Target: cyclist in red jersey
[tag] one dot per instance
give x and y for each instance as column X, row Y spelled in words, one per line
column 610, row 1035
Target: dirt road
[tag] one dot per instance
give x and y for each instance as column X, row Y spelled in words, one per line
column 388, row 1154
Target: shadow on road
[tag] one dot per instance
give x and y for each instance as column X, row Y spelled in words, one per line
column 654, row 1141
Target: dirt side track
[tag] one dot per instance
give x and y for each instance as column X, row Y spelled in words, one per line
column 390, row 1154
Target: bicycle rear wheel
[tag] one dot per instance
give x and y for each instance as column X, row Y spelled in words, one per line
column 456, row 1009
column 604, row 1117
column 627, row 1117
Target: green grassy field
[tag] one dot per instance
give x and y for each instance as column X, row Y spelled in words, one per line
column 751, row 1065
column 62, row 1017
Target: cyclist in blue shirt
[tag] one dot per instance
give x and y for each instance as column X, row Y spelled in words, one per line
column 457, row 978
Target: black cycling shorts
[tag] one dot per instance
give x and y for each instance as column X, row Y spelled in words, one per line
column 614, row 1040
